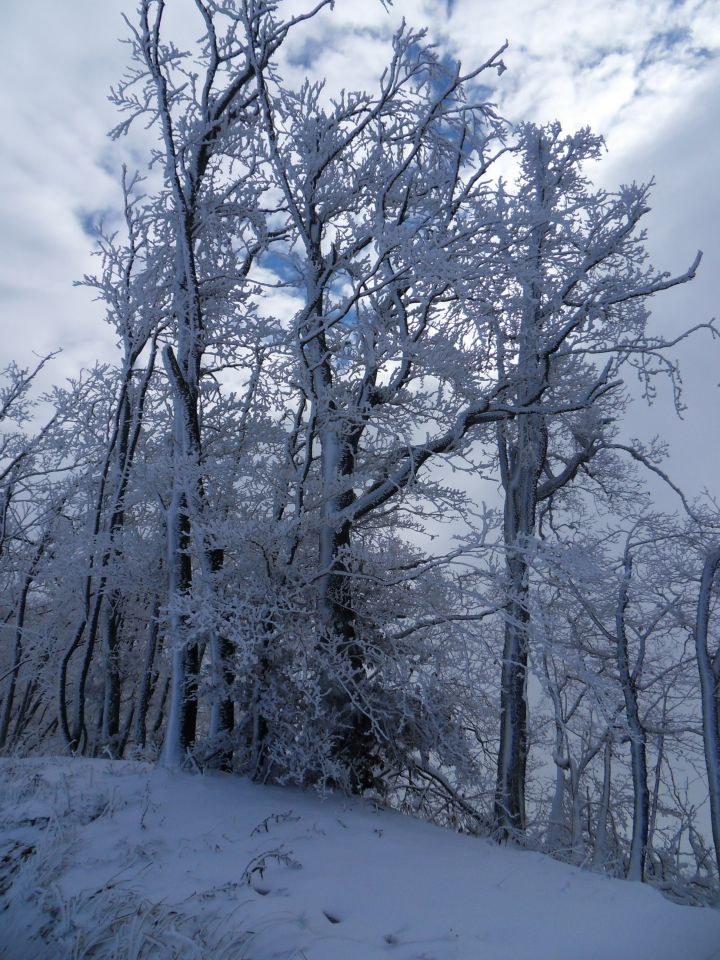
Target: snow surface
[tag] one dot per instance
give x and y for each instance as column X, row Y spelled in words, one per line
column 109, row 859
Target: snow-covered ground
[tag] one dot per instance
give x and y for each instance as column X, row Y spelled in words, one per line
column 103, row 859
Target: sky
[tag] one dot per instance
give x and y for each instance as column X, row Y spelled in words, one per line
column 644, row 73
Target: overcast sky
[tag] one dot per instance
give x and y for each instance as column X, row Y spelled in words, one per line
column 645, row 73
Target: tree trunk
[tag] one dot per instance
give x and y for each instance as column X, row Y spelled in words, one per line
column 709, row 670
column 222, row 715
column 600, row 849
column 148, row 678
column 126, row 428
column 181, row 725
column 521, row 465
column 18, row 651
column 354, row 740
column 557, row 827
column 638, row 745
column 111, row 699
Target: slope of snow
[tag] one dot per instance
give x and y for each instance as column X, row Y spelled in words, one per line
column 103, row 859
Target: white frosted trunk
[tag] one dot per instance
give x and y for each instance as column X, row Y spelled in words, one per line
column 173, row 751
column 709, row 670
column 556, row 822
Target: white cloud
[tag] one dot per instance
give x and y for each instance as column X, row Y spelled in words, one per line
column 53, row 89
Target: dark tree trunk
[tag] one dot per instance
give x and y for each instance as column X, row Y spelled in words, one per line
column 18, row 651
column 148, row 678
column 521, row 463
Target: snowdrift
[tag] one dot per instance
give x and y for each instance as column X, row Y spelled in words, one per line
column 103, row 859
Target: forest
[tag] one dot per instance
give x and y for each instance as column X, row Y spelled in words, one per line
column 354, row 508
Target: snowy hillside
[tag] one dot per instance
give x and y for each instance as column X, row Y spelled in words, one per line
column 118, row 860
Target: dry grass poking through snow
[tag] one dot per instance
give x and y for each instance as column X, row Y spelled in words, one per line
column 108, row 860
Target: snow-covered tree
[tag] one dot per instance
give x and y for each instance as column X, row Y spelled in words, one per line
column 565, row 307
column 325, row 304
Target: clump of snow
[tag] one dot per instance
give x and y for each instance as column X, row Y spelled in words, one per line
column 113, row 859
